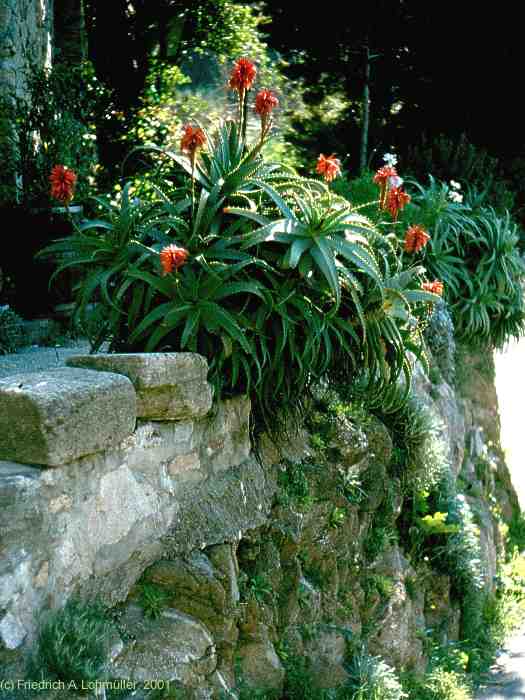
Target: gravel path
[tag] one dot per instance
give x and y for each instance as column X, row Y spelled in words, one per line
column 507, row 677
column 38, row 359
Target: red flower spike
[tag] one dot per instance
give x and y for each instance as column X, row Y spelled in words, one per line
column 242, row 75
column 265, row 102
column 192, row 139
column 416, row 238
column 62, row 181
column 328, row 166
column 436, row 287
column 382, row 175
column 396, row 200
column 172, row 257
column 382, row 178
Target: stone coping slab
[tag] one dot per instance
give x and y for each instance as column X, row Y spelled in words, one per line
column 54, row 417
column 169, row 385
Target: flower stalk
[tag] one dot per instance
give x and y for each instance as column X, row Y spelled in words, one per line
column 241, row 79
column 265, row 103
column 192, row 140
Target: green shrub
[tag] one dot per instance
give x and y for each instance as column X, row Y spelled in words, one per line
column 516, row 534
column 295, row 489
column 418, row 430
column 371, row 678
column 446, row 685
column 378, row 583
column 153, row 599
column 103, row 250
column 361, row 192
column 473, row 251
column 72, row 643
column 462, row 555
column 337, row 517
column 350, row 485
column 507, row 610
column 257, row 587
column 379, row 537
column 284, row 282
column 439, row 335
column 420, row 453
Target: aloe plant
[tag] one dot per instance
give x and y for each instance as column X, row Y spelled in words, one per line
column 274, row 278
column 474, row 251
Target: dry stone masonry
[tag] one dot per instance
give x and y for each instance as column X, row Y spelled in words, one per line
column 90, row 494
column 118, row 472
column 52, row 418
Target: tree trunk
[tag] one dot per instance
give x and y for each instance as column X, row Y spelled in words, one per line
column 70, row 31
column 366, row 114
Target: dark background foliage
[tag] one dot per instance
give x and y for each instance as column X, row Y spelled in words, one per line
column 436, row 69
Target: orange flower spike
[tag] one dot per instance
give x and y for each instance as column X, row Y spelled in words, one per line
column 382, row 178
column 63, row 181
column 192, row 139
column 265, row 103
column 436, row 287
column 242, row 75
column 328, row 166
column 416, row 238
column 172, row 257
column 396, row 201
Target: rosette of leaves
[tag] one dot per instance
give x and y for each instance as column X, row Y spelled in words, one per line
column 489, row 308
column 73, row 643
column 369, row 300
column 371, row 678
column 474, row 252
column 102, row 251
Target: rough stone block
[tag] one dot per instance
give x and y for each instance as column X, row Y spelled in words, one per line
column 260, row 666
column 169, row 385
column 54, row 417
column 174, row 647
column 20, row 504
column 224, row 437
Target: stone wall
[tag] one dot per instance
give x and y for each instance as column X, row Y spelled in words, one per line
column 120, row 474
column 105, row 473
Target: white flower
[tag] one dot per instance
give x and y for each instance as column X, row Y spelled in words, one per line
column 455, row 185
column 395, row 181
column 455, row 197
column 390, row 159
